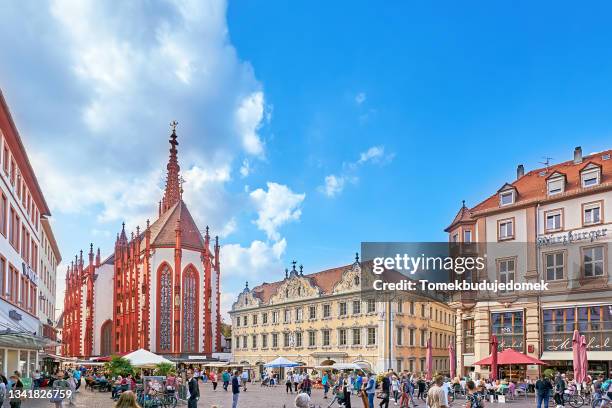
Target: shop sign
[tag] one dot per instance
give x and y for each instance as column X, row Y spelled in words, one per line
column 563, row 342
column 572, row 236
column 13, row 314
column 29, row 273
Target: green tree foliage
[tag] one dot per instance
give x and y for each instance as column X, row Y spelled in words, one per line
column 164, row 368
column 119, row 366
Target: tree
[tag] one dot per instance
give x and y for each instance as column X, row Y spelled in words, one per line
column 119, row 366
column 164, row 368
column 226, row 330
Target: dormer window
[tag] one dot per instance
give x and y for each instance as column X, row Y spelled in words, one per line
column 590, row 175
column 506, row 197
column 556, row 183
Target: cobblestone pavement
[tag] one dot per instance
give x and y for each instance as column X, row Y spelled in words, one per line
column 255, row 397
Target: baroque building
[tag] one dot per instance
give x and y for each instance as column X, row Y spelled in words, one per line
column 321, row 319
column 159, row 289
column 550, row 225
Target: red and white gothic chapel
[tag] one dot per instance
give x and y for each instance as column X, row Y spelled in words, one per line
column 159, row 289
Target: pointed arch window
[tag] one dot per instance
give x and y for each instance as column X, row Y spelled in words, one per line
column 164, row 308
column 106, row 336
column 190, row 309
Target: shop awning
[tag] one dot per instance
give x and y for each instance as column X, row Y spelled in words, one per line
column 18, row 340
column 55, row 357
column 567, row 355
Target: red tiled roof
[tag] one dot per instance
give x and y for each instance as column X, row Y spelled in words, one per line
column 325, row 280
column 463, row 216
column 163, row 232
column 532, row 186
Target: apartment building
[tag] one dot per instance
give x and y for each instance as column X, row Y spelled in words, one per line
column 548, row 225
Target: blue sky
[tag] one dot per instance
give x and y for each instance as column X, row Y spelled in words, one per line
column 305, row 127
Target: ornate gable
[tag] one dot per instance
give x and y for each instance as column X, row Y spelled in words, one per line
column 295, row 287
column 351, row 280
column 246, row 300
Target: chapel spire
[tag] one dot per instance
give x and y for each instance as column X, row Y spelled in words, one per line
column 172, row 194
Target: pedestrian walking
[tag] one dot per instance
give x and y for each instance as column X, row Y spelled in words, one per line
column 288, row 383
column 245, row 379
column 72, row 385
column 194, row 390
column 543, row 389
column 226, row 379
column 370, row 390
column 213, row 380
column 16, row 388
column 235, row 389
column 436, row 397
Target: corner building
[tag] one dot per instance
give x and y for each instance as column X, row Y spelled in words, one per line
column 321, row 319
column 28, row 257
column 551, row 224
column 159, row 289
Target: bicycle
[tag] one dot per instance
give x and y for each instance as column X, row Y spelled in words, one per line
column 602, row 402
column 574, row 400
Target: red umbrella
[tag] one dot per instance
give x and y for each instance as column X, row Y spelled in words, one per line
column 509, row 357
column 451, row 354
column 583, row 358
column 494, row 344
column 429, row 373
column 576, row 356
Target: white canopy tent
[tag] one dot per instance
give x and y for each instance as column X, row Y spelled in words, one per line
column 281, row 362
column 142, row 358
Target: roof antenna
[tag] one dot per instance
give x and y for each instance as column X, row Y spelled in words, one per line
column 547, row 162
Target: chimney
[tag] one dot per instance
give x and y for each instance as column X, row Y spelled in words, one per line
column 578, row 155
column 520, row 171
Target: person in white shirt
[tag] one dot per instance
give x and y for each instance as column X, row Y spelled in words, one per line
column 447, row 388
column 296, row 380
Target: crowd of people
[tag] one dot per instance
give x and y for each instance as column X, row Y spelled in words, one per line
column 404, row 389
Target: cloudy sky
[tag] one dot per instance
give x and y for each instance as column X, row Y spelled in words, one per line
column 304, row 127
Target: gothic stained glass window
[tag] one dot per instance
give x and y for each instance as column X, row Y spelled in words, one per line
column 165, row 308
column 190, row 312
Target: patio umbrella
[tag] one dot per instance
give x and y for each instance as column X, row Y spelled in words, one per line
column 577, row 365
column 583, row 357
column 494, row 344
column 281, row 362
column 142, row 358
column 510, row 357
column 451, row 355
column 429, row 373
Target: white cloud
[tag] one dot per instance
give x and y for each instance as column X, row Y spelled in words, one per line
column 124, row 71
column 276, row 207
column 334, row 184
column 360, row 98
column 245, row 169
column 248, row 119
column 254, row 262
column 373, row 154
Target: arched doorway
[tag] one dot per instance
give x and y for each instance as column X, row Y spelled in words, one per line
column 190, row 309
column 328, row 362
column 106, row 338
column 164, row 308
